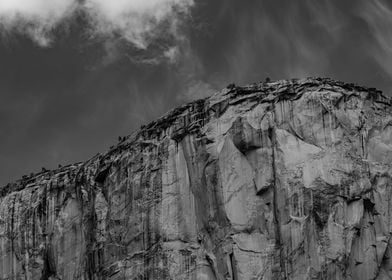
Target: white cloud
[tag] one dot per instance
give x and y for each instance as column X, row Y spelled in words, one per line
column 136, row 21
column 172, row 54
column 35, row 18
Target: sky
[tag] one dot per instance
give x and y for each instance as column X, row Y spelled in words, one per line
column 76, row 74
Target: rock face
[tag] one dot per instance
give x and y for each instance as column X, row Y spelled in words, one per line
column 279, row 180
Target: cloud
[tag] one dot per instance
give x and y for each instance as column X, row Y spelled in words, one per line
column 172, row 54
column 292, row 42
column 378, row 16
column 138, row 22
column 134, row 20
column 196, row 90
column 35, row 18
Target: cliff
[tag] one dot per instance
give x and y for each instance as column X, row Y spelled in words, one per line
column 278, row 180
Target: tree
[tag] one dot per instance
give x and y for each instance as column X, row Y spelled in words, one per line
column 231, row 86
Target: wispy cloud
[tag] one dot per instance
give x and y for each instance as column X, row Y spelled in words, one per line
column 134, row 20
column 195, row 90
column 378, row 16
column 138, row 22
column 300, row 38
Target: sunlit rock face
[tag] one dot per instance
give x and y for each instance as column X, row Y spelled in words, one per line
column 279, row 180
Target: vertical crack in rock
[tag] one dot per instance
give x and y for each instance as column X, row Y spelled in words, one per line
column 49, row 268
column 281, row 273
column 280, row 180
column 233, row 267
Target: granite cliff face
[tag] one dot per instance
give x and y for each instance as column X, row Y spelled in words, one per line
column 279, row 180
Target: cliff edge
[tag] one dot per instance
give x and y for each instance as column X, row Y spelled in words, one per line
column 280, row 180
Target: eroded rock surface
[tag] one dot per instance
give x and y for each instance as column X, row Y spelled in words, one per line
column 280, row 180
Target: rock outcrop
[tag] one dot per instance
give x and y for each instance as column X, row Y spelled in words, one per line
column 278, row 180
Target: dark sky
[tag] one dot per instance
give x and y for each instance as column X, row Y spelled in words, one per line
column 66, row 101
